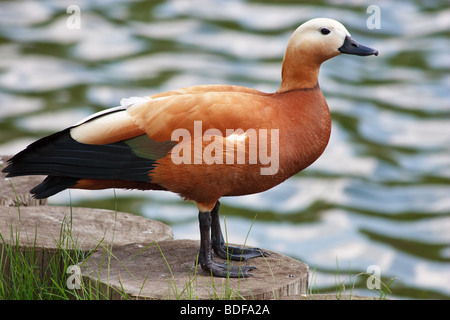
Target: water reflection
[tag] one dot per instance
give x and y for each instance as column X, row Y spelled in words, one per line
column 379, row 195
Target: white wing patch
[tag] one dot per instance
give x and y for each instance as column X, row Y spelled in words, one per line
column 237, row 137
column 126, row 102
column 108, row 122
column 105, row 122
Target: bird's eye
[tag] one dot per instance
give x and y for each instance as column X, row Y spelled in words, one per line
column 325, row 31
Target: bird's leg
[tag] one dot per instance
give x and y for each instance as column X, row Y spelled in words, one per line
column 225, row 251
column 205, row 255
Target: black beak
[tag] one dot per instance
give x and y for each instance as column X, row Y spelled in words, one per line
column 350, row 46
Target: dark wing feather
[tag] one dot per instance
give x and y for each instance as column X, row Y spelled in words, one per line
column 66, row 160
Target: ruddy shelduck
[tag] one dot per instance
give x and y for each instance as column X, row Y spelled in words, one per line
column 203, row 142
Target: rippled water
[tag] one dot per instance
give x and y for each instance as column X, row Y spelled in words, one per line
column 379, row 195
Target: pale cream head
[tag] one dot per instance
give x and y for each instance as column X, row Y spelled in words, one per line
column 319, row 39
column 314, row 42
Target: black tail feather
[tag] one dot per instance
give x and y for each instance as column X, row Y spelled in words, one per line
column 60, row 155
column 66, row 160
column 51, row 186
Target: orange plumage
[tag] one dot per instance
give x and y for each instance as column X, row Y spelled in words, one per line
column 189, row 140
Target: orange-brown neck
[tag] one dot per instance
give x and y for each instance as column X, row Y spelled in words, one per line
column 300, row 70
